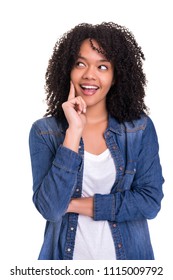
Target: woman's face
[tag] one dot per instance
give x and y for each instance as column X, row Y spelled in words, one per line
column 92, row 74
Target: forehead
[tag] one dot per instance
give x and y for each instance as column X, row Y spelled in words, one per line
column 91, row 47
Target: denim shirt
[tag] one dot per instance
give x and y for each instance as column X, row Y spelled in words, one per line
column 135, row 195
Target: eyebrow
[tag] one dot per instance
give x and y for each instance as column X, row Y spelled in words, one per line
column 100, row 60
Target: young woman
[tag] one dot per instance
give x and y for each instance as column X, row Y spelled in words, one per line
column 96, row 171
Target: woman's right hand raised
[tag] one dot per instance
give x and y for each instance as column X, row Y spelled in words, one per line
column 74, row 109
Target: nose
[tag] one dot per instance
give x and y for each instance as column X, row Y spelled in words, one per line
column 89, row 73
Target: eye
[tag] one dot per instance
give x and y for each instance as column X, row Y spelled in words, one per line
column 103, row 67
column 80, row 64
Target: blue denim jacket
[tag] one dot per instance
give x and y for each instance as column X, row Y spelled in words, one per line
column 135, row 196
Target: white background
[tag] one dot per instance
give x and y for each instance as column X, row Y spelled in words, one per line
column 29, row 30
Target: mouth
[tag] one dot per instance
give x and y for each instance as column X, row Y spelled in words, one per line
column 89, row 89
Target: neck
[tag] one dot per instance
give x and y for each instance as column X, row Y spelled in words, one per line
column 96, row 116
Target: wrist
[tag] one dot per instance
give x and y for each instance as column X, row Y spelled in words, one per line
column 72, row 139
column 74, row 132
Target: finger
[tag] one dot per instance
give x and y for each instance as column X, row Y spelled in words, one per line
column 77, row 105
column 72, row 91
column 81, row 104
column 84, row 106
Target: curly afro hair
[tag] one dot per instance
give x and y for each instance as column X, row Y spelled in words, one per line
column 125, row 99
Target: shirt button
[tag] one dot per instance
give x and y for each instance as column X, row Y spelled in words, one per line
column 72, row 228
column 77, row 190
column 114, row 225
column 119, row 245
column 121, row 168
column 69, row 250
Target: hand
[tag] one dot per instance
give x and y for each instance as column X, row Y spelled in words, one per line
column 74, row 109
column 82, row 205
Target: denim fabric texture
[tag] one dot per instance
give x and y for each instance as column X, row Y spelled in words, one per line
column 135, row 196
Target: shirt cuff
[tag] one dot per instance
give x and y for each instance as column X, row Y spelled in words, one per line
column 104, row 207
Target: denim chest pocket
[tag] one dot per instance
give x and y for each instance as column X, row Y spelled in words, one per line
column 127, row 179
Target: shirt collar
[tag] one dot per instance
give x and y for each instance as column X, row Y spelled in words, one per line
column 114, row 125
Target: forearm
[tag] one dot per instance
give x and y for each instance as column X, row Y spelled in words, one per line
column 83, row 206
column 133, row 204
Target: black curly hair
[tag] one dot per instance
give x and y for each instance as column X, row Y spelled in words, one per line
column 125, row 99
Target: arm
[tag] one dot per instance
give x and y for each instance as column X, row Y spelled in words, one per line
column 55, row 171
column 75, row 109
column 142, row 199
column 54, row 174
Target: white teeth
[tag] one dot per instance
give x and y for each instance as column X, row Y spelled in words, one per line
column 89, row 87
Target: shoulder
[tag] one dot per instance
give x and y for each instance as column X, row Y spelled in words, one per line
column 48, row 125
column 133, row 126
column 142, row 129
column 47, row 131
column 141, row 124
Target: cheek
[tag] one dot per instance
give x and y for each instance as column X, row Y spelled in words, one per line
column 74, row 76
column 108, row 83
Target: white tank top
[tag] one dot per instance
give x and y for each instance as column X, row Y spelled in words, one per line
column 93, row 238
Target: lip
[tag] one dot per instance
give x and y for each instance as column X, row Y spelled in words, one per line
column 89, row 89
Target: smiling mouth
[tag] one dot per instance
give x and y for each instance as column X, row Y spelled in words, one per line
column 89, row 89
